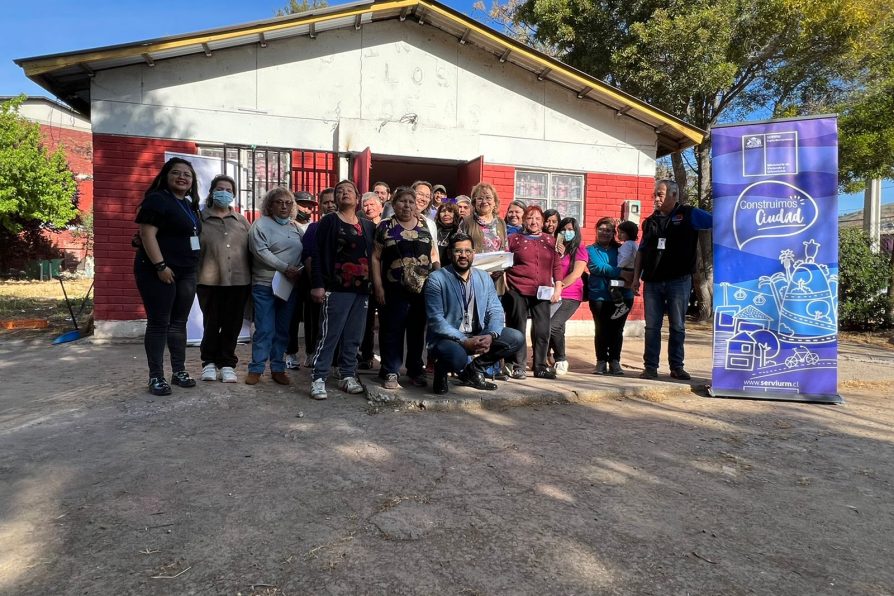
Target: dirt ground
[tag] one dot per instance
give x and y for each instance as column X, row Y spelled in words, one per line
column 230, row 489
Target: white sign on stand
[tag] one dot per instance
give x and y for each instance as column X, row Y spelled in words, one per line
column 206, row 169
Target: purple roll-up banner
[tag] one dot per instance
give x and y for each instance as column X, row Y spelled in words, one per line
column 775, row 188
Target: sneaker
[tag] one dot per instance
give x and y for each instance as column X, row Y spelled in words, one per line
column 561, row 367
column 680, row 373
column 209, row 372
column 544, row 373
column 318, row 389
column 308, row 361
column 252, row 378
column 350, row 385
column 158, row 386
column 228, row 375
column 601, row 367
column 292, row 362
column 181, row 378
column 518, row 373
column 391, row 382
column 614, row 368
column 649, row 373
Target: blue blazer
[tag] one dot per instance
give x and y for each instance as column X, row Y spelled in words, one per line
column 444, row 305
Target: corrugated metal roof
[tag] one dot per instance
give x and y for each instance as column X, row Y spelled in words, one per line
column 68, row 75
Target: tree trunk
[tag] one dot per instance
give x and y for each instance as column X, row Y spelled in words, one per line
column 890, row 288
column 703, row 278
column 680, row 175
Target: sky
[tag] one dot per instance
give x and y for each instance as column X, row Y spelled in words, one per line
column 53, row 26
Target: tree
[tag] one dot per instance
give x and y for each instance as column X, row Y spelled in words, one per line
column 862, row 276
column 866, row 123
column 709, row 61
column 294, row 7
column 36, row 187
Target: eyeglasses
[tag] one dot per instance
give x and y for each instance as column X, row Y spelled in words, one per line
column 463, row 251
column 184, row 174
column 285, row 203
column 606, row 230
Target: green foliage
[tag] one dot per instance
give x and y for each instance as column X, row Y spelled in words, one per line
column 862, row 279
column 294, row 7
column 35, row 186
column 867, row 123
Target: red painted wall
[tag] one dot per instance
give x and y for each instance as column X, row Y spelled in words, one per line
column 123, row 168
column 78, row 148
column 603, row 195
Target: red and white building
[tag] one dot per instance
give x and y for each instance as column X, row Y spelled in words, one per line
column 393, row 90
column 61, row 126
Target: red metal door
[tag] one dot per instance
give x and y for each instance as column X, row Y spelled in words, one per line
column 469, row 174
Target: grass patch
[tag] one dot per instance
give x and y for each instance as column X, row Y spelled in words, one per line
column 42, row 300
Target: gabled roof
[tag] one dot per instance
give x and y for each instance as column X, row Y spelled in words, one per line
column 68, row 75
column 753, row 314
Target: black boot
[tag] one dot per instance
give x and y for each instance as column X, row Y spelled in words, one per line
column 473, row 376
column 439, row 383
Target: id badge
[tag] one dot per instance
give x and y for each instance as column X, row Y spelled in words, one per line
column 194, row 242
column 662, row 243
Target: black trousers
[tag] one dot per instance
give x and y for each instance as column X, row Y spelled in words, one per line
column 566, row 310
column 518, row 308
column 223, row 308
column 450, row 356
column 302, row 290
column 167, row 310
column 366, row 346
column 609, row 338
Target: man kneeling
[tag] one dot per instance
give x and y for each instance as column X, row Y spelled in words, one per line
column 465, row 318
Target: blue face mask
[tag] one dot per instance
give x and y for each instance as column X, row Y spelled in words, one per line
column 568, row 235
column 282, row 220
column 222, row 198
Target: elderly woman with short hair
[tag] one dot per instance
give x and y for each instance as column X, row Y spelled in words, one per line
column 275, row 244
column 535, row 264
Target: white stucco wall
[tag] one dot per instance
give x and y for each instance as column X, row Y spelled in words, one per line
column 398, row 88
column 44, row 111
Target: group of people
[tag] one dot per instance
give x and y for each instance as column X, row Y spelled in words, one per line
column 407, row 258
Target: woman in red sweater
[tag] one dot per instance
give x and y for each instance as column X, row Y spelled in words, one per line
column 535, row 264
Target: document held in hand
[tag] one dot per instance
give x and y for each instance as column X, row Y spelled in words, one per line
column 493, row 261
column 282, row 287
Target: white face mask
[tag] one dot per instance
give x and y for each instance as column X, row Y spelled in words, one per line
column 222, row 198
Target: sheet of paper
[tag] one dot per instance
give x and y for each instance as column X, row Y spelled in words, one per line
column 282, row 287
column 544, row 292
column 493, row 261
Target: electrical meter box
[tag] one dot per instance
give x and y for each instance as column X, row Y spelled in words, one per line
column 630, row 211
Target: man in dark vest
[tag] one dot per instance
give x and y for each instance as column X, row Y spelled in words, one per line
column 665, row 261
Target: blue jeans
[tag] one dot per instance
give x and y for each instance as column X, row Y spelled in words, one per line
column 342, row 322
column 671, row 297
column 271, row 336
column 450, row 356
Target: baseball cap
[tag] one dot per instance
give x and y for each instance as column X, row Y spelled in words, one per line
column 438, row 187
column 305, row 197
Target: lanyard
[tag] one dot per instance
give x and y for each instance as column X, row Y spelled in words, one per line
column 189, row 214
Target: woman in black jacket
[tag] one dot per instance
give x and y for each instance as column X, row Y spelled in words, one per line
column 165, row 268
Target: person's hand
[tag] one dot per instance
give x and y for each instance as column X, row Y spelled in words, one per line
column 380, row 295
column 317, row 294
column 292, row 273
column 635, row 287
column 484, row 343
column 560, row 248
column 166, row 276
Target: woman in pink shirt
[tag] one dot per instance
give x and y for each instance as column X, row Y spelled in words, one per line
column 573, row 263
column 535, row 264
